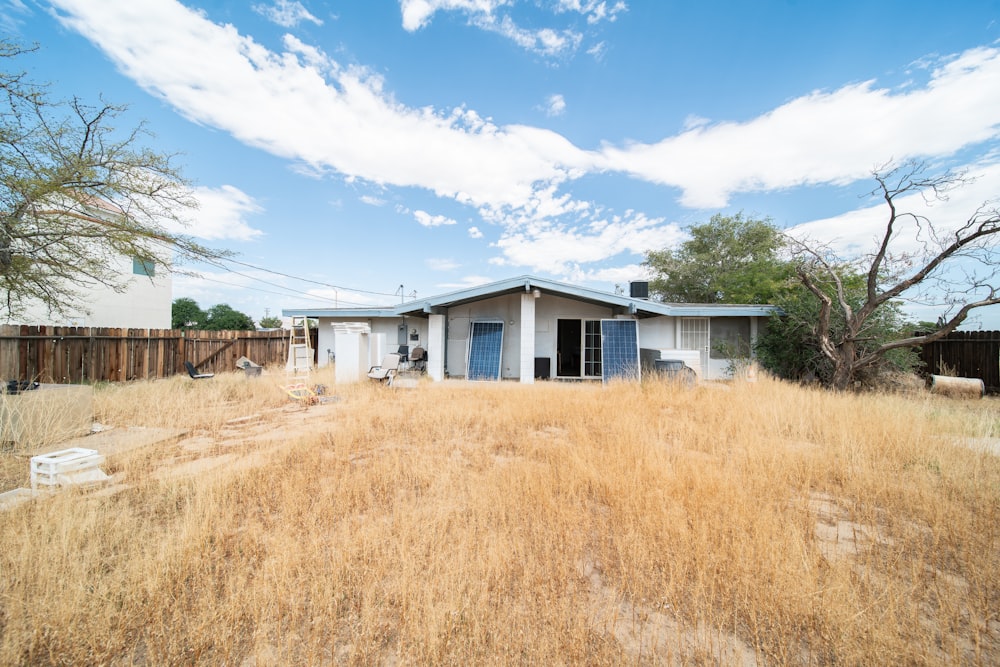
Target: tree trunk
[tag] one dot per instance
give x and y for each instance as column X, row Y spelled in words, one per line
column 844, row 366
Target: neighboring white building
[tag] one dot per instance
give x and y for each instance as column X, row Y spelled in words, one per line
column 145, row 303
column 526, row 328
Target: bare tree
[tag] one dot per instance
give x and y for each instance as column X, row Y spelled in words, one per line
column 954, row 266
column 76, row 194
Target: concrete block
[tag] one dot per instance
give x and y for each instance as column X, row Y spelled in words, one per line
column 67, row 467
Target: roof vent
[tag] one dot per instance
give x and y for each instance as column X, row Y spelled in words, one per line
column 638, row 289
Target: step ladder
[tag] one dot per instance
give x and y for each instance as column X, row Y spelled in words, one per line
column 300, row 353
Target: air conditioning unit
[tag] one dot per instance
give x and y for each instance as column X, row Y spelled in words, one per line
column 639, row 289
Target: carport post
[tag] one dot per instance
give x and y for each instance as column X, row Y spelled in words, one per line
column 435, row 347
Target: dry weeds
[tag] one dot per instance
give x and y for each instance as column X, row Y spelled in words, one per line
column 501, row 524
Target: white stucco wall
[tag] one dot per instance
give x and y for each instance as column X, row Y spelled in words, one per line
column 389, row 327
column 145, row 304
column 506, row 309
column 549, row 310
column 658, row 333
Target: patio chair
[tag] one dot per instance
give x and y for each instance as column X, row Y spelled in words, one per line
column 195, row 375
column 418, row 359
column 386, row 371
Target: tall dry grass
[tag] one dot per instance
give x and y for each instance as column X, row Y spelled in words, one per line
column 502, row 524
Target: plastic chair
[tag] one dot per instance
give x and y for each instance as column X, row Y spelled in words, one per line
column 386, row 371
column 195, row 375
column 418, row 358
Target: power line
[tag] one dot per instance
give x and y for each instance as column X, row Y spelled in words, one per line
column 305, row 280
column 336, row 301
column 259, row 289
column 219, row 263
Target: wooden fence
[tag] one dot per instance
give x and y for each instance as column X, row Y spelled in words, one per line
column 80, row 354
column 972, row 354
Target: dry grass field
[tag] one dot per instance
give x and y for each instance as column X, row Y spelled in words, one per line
column 554, row 524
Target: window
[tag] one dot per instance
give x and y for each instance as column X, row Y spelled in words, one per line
column 694, row 333
column 730, row 337
column 578, row 348
column 592, row 348
column 143, row 267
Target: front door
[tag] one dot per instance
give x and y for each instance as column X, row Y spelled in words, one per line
column 568, row 348
column 694, row 336
column 578, row 348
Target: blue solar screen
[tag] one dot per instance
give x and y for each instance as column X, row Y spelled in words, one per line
column 620, row 349
column 485, row 347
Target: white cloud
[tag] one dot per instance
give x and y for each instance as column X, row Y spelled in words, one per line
column 11, row 14
column 694, row 121
column 621, row 275
column 545, row 41
column 221, row 214
column 418, row 13
column 822, row 137
column 428, row 220
column 475, row 233
column 483, row 15
column 595, row 10
column 332, row 118
column 286, row 13
column 859, row 232
column 557, row 248
column 373, row 201
column 441, row 264
column 597, row 51
column 302, row 105
column 555, row 105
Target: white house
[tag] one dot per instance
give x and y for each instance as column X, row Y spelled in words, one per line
column 144, row 303
column 526, row 328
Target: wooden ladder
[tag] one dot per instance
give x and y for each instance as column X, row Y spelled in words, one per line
column 300, row 354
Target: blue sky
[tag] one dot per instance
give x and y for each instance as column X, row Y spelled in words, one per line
column 357, row 147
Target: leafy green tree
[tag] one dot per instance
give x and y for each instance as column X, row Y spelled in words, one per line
column 223, row 317
column 730, row 259
column 270, row 322
column 76, row 194
column 185, row 313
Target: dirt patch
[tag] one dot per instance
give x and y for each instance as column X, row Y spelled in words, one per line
column 839, row 537
column 649, row 634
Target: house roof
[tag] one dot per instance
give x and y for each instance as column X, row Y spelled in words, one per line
column 526, row 283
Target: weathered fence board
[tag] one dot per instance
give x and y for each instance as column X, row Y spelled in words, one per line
column 81, row 354
column 971, row 354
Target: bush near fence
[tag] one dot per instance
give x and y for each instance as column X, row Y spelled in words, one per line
column 89, row 354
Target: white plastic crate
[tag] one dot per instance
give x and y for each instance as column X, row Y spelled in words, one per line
column 67, row 467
